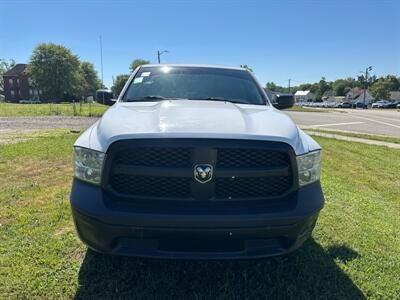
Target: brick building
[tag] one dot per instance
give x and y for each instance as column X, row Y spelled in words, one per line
column 17, row 85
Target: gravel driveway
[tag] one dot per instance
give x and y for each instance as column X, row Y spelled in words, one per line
column 29, row 124
column 12, row 129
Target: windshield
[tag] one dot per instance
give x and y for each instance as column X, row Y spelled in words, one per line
column 193, row 83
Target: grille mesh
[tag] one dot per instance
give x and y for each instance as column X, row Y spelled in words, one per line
column 155, row 157
column 228, row 188
column 251, row 158
column 152, row 186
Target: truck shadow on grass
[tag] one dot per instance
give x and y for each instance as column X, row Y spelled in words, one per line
column 308, row 273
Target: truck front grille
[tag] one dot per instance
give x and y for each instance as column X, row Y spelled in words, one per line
column 143, row 186
column 163, row 169
column 257, row 187
column 155, row 157
column 251, row 158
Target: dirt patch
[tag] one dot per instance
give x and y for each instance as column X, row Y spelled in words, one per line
column 35, row 173
column 17, row 129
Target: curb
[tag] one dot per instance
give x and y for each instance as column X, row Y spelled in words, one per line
column 353, row 139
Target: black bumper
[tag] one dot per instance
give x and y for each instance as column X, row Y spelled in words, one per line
column 193, row 236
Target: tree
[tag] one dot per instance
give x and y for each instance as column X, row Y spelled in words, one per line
column 393, row 82
column 380, row 89
column 305, row 87
column 271, row 86
column 4, row 67
column 322, row 88
column 138, row 62
column 119, row 84
column 246, row 67
column 362, row 81
column 91, row 82
column 55, row 70
column 338, row 87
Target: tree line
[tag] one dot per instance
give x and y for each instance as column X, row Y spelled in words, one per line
column 379, row 88
column 59, row 74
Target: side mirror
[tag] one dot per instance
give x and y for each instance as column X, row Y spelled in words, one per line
column 283, row 101
column 110, row 102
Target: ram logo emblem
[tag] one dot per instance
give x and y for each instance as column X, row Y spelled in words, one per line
column 203, row 173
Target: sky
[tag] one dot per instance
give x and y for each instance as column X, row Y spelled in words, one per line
column 302, row 40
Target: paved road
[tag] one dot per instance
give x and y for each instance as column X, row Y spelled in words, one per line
column 372, row 121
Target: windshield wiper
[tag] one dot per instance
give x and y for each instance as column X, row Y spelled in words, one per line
column 158, row 97
column 222, row 99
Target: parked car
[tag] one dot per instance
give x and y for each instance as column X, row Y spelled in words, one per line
column 328, row 104
column 194, row 162
column 361, row 104
column 380, row 104
column 344, row 105
column 398, row 105
column 393, row 104
column 331, row 104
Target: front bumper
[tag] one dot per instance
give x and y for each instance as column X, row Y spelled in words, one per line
column 193, row 236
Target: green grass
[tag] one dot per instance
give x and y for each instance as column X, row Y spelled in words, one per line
column 375, row 137
column 354, row 253
column 308, row 109
column 50, row 109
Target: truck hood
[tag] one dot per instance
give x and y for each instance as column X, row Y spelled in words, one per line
column 192, row 119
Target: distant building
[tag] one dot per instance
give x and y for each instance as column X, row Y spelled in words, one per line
column 17, row 85
column 357, row 94
column 395, row 95
column 304, row 96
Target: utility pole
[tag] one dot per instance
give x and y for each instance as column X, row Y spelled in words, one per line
column 101, row 62
column 159, row 55
column 366, row 82
column 289, row 84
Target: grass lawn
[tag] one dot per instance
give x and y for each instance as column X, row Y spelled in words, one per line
column 50, row 109
column 308, row 109
column 354, row 253
column 375, row 137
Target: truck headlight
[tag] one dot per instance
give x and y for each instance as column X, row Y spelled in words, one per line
column 309, row 166
column 88, row 164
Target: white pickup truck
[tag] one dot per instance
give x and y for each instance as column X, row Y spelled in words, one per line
column 194, row 162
